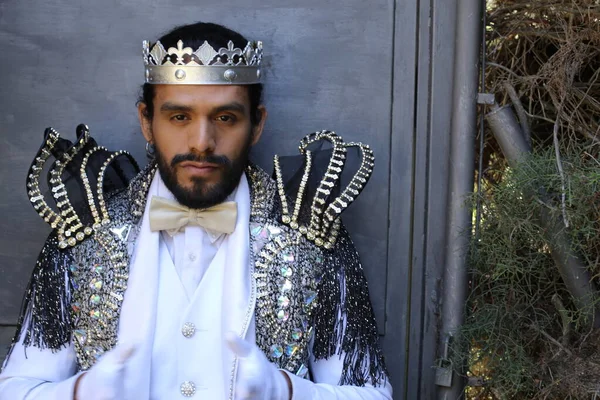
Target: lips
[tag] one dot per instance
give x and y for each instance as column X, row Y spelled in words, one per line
column 198, row 168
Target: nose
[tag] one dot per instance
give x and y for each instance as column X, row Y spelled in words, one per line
column 201, row 137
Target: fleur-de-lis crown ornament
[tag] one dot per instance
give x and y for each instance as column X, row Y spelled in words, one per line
column 182, row 65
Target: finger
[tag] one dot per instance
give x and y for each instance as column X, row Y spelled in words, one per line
column 247, row 393
column 238, row 345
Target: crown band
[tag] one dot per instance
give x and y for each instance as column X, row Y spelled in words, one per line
column 202, row 75
column 205, row 66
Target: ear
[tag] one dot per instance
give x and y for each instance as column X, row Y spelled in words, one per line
column 258, row 129
column 145, row 123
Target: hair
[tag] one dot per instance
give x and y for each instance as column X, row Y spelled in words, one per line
column 194, row 35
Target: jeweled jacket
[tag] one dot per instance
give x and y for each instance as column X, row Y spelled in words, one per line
column 304, row 293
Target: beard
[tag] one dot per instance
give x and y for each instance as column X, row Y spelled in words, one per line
column 202, row 194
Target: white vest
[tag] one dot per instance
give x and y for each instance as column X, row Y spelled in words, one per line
column 155, row 309
column 185, row 354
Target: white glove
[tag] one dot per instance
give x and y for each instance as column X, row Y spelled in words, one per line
column 105, row 380
column 257, row 379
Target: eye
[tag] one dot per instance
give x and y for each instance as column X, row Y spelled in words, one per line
column 179, row 117
column 226, row 118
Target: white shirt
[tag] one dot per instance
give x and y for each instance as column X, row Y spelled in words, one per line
column 192, row 249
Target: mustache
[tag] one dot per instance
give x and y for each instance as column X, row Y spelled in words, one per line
column 211, row 158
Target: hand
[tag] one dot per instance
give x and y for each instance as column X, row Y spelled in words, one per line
column 105, row 380
column 258, row 379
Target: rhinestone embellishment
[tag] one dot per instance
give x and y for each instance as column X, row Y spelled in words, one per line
column 297, row 334
column 288, row 257
column 76, row 307
column 80, row 335
column 309, row 297
column 286, row 285
column 276, row 351
column 96, row 284
column 188, row 329
column 283, row 301
column 188, row 389
column 302, row 371
column 290, row 349
column 256, row 230
column 286, row 271
column 283, row 315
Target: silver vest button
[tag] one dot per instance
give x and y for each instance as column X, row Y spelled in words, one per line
column 188, row 329
column 188, row 389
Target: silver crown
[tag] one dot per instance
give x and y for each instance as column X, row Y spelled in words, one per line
column 204, row 66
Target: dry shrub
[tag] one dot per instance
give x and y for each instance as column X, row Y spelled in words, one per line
column 525, row 335
column 549, row 51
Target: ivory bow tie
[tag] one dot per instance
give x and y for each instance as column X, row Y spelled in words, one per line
column 167, row 215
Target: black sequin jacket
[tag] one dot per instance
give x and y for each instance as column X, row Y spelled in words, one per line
column 302, row 289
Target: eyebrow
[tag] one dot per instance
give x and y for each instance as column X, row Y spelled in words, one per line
column 168, row 107
column 233, row 106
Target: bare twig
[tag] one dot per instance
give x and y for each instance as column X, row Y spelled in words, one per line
column 550, row 338
column 512, row 93
column 592, row 157
column 502, row 67
column 563, row 194
column 564, row 317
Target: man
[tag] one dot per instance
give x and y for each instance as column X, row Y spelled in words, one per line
column 200, row 280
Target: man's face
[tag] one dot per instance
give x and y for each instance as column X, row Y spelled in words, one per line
column 202, row 135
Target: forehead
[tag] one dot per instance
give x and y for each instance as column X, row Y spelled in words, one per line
column 201, row 96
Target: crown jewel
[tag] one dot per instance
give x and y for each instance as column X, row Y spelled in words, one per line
column 204, row 66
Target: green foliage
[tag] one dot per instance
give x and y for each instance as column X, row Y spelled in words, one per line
column 517, row 334
column 523, row 330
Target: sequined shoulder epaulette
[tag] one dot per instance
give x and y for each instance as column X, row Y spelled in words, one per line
column 323, row 207
column 77, row 181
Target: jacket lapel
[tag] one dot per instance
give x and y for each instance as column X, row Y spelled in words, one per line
column 138, row 313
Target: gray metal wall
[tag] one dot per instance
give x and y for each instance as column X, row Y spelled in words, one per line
column 377, row 71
